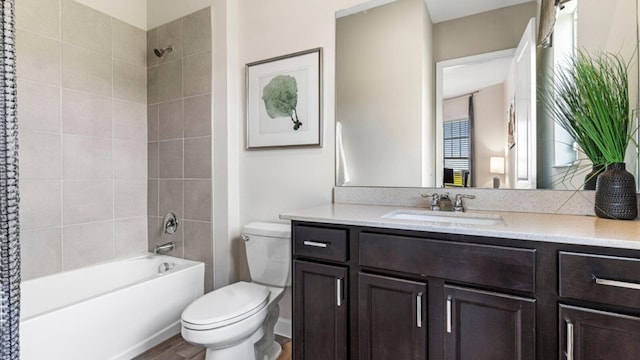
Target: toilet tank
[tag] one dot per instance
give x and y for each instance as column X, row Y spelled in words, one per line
column 268, row 247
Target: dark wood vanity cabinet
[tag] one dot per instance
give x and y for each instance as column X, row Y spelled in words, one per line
column 372, row 293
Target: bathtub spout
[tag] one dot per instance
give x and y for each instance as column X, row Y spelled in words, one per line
column 166, row 247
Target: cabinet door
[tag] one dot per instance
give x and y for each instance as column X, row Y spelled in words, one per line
column 482, row 325
column 392, row 318
column 589, row 335
column 320, row 311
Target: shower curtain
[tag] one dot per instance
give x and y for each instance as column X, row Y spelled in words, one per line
column 9, row 196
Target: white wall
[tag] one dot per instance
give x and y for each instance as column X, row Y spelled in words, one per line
column 489, row 132
column 163, row 11
column 133, row 12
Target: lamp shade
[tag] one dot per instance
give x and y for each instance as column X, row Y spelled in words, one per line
column 496, row 165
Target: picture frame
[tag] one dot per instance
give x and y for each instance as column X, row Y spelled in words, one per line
column 511, row 126
column 284, row 101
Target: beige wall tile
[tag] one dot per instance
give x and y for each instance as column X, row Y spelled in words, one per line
column 86, row 200
column 40, row 155
column 39, row 16
column 87, row 244
column 130, row 198
column 170, row 159
column 171, row 197
column 39, row 58
column 198, row 241
column 197, row 32
column 170, row 120
column 152, row 84
column 152, row 43
column 86, row 70
column 152, row 122
column 208, row 278
column 197, row 200
column 197, row 116
column 41, row 253
column 84, row 113
column 131, row 236
column 129, row 82
column 39, row 106
column 197, row 158
column 169, row 81
column 130, row 159
column 152, row 160
column 86, row 27
column 129, row 43
column 171, row 35
column 40, row 204
column 87, row 157
column 152, row 198
column 129, row 120
column 197, row 74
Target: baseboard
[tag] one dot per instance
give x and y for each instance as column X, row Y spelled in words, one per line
column 283, row 327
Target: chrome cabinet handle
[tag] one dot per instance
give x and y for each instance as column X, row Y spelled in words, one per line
column 315, row 244
column 339, row 291
column 449, row 316
column 419, row 310
column 569, row 341
column 615, row 283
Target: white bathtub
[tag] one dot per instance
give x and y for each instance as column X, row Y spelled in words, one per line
column 114, row 310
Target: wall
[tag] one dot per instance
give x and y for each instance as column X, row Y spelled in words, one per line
column 375, row 79
column 179, row 135
column 477, row 34
column 82, row 118
column 490, row 135
column 133, row 12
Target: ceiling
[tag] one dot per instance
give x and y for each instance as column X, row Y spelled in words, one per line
column 443, row 10
column 464, row 79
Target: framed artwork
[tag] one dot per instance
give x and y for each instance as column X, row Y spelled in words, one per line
column 284, row 101
column 512, row 126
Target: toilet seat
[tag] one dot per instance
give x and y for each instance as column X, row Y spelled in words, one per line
column 225, row 306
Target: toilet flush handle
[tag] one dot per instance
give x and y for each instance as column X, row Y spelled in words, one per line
column 245, row 237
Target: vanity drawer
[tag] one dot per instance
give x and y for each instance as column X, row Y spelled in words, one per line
column 599, row 278
column 495, row 266
column 321, row 243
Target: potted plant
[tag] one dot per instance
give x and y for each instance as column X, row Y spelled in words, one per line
column 591, row 102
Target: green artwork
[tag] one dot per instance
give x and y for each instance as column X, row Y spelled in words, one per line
column 281, row 98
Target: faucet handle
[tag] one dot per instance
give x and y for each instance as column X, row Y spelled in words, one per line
column 458, row 205
column 435, row 200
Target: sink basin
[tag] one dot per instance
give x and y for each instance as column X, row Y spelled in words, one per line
column 445, row 217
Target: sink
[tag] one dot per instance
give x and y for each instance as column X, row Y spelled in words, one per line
column 445, row 217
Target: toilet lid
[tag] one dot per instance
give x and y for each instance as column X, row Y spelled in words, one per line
column 226, row 305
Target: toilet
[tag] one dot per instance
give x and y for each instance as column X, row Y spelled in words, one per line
column 237, row 321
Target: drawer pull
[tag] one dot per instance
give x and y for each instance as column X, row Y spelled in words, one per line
column 569, row 341
column 449, row 316
column 615, row 283
column 419, row 310
column 315, row 244
column 339, row 291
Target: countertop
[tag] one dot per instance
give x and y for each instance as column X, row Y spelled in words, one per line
column 567, row 229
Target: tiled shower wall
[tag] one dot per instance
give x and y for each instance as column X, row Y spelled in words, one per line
column 179, row 135
column 83, row 136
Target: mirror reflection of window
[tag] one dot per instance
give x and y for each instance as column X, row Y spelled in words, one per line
column 564, row 45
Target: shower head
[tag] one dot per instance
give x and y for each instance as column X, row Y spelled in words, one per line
column 161, row 52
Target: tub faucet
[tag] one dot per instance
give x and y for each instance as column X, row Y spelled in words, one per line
column 166, row 247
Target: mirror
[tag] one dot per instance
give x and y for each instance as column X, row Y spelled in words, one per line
column 405, row 71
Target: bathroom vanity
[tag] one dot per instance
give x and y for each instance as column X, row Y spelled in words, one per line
column 527, row 286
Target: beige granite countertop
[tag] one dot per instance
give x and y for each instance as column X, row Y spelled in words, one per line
column 568, row 229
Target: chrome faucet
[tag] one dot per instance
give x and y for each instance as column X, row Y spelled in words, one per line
column 458, row 204
column 166, row 247
column 442, row 202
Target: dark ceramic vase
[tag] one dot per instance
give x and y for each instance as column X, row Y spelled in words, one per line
column 592, row 177
column 616, row 194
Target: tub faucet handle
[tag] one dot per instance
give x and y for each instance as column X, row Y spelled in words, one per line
column 170, row 223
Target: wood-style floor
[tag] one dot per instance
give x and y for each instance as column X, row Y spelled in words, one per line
column 176, row 348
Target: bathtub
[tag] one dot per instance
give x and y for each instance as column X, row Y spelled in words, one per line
column 114, row 310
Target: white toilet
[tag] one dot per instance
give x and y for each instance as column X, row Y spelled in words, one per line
column 236, row 322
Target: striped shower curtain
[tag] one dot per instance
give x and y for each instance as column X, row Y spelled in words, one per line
column 9, row 196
